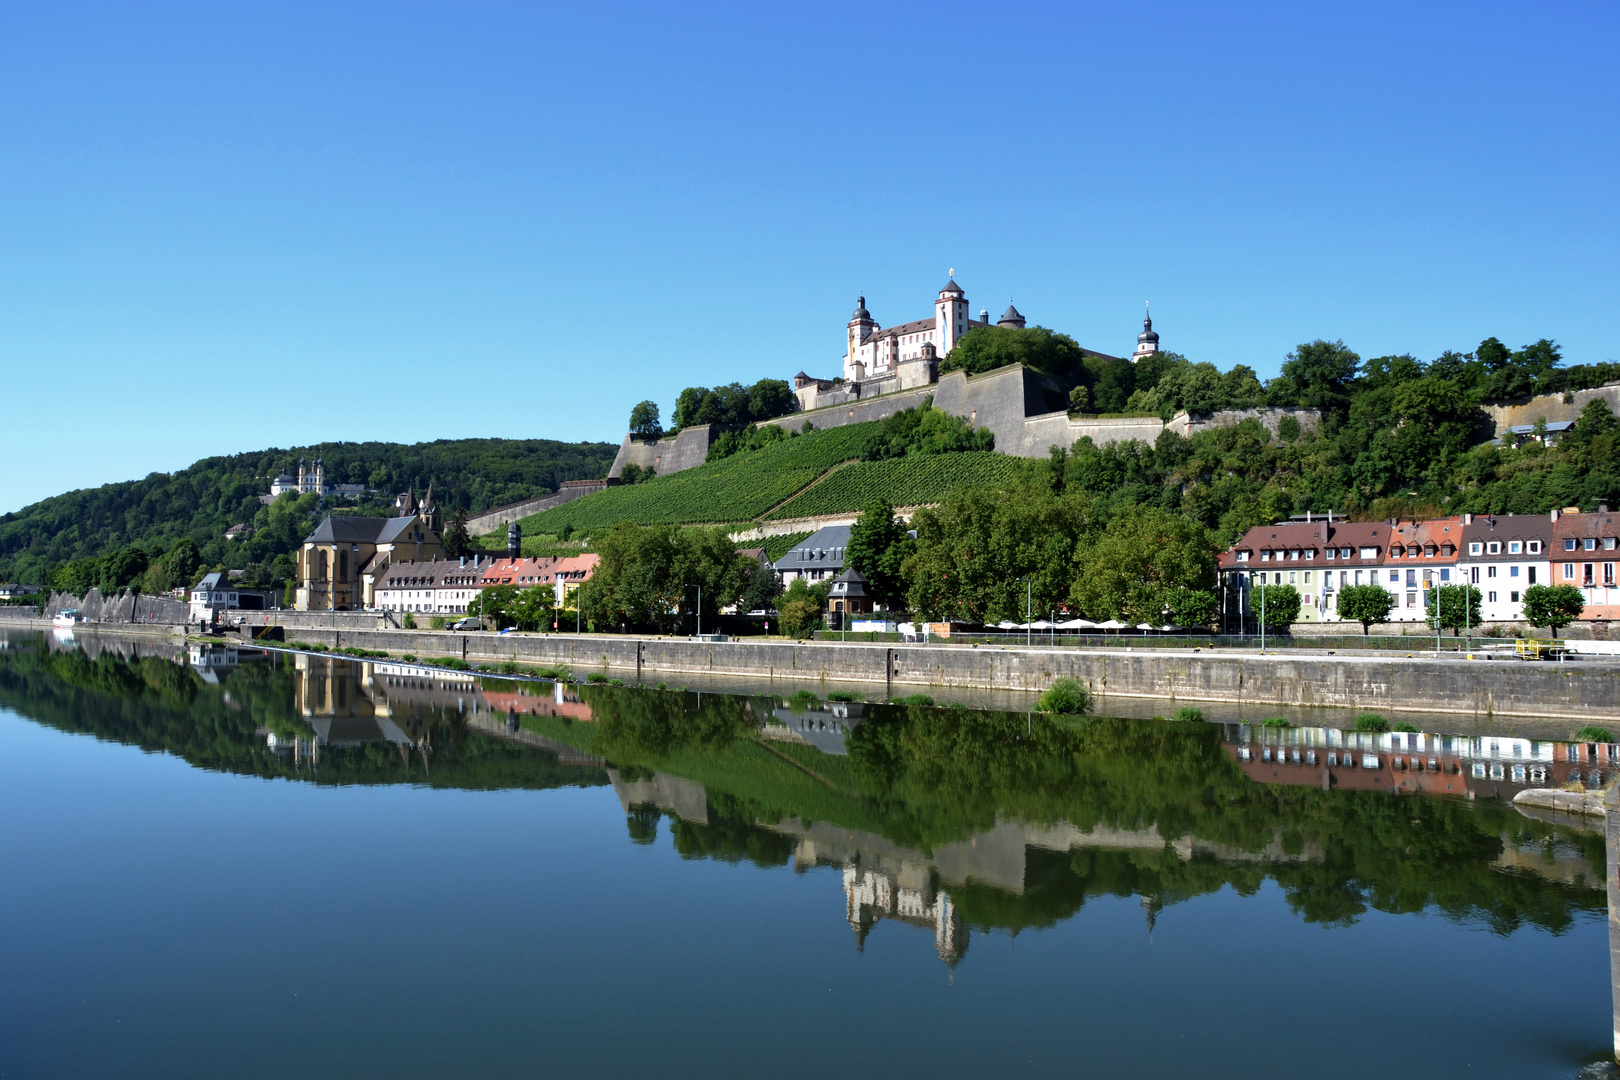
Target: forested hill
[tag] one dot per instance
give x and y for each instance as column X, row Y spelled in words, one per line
column 200, row 502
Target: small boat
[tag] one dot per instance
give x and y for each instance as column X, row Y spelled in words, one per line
column 68, row 618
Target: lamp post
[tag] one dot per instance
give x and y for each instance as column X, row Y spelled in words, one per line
column 1262, row 612
column 699, row 588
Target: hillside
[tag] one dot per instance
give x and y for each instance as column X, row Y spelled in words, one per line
column 813, row 473
column 202, row 501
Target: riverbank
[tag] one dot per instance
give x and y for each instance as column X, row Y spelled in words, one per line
column 1250, row 680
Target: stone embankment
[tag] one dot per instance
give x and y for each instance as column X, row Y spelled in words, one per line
column 1582, row 691
column 1588, row 803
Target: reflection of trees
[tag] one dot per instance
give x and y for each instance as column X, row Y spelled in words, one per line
column 922, row 777
column 163, row 706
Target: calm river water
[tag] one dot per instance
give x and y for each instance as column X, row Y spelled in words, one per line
column 252, row 864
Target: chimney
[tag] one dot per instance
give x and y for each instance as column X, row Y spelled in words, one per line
column 1307, row 517
column 1468, row 519
column 1554, row 516
column 464, row 560
column 1603, row 508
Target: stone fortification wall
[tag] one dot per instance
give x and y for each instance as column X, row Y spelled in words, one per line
column 490, row 520
column 684, row 450
column 1552, row 407
column 1018, row 406
column 1479, row 689
column 124, row 608
column 1186, row 425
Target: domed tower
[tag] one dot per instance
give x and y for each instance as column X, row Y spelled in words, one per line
column 1011, row 319
column 951, row 316
column 861, row 327
column 1147, row 341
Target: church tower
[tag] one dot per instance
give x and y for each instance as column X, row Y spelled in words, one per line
column 1147, row 342
column 861, row 327
column 951, row 317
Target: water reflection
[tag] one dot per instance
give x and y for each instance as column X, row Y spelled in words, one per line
column 953, row 821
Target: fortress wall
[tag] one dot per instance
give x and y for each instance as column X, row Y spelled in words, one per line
column 490, row 520
column 1186, row 425
column 671, row 454
column 1552, row 407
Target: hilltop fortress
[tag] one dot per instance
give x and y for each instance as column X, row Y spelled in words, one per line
column 889, row 369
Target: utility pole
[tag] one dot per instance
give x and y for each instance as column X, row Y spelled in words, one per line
column 1262, row 612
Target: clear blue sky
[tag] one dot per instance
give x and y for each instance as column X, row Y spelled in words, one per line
column 226, row 227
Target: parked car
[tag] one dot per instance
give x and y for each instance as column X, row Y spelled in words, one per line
column 473, row 623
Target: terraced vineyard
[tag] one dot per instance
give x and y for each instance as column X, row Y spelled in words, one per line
column 748, row 486
column 903, row 481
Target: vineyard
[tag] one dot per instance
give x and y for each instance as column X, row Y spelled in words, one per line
column 750, row 485
column 903, row 482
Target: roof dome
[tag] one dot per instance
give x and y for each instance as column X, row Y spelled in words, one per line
column 860, row 310
column 1010, row 317
column 952, row 287
column 1147, row 336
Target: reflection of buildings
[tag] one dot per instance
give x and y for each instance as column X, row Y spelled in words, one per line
column 870, row 896
column 820, row 726
column 1495, row 766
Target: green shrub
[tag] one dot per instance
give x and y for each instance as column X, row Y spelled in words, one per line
column 842, row 695
column 560, row 674
column 1371, row 721
column 912, row 699
column 596, row 677
column 409, row 621
column 409, row 658
column 1277, row 722
column 454, row 663
column 956, row 705
column 1593, row 733
column 1189, row 713
column 803, row 695
column 615, row 682
column 1405, row 726
column 436, row 623
column 509, row 668
column 1070, row 697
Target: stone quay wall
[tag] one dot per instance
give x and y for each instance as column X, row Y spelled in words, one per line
column 1584, row 691
column 490, row 520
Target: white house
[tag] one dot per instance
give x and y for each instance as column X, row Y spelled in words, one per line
column 1502, row 556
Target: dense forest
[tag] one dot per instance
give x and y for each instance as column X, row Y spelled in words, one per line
column 199, row 503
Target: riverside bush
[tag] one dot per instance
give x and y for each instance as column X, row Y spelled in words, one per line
column 1069, row 697
column 1189, row 713
column 1593, row 733
column 1371, row 721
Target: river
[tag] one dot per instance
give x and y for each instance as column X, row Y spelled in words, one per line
column 243, row 863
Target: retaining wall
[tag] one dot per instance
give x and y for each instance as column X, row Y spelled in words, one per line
column 1475, row 688
column 686, row 449
column 490, row 520
column 1551, row 407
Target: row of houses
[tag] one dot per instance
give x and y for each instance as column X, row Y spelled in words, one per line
column 452, row 586
column 1502, row 555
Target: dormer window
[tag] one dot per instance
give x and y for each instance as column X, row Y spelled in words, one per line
column 1608, row 543
column 1447, row 550
column 1265, row 555
column 1494, row 547
column 1429, row 550
column 1589, row 544
column 1332, row 552
column 1243, row 556
column 1395, row 552
column 1293, row 555
column 1344, row 553
column 1310, row 553
column 1413, row 550
column 1515, row 547
column 1476, row 548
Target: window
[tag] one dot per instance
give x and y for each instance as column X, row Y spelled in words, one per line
column 1265, row 556
column 1473, row 575
column 1310, row 554
column 1494, row 547
column 1331, row 552
column 1513, row 597
column 1531, row 575
column 1395, row 552
column 1366, row 553
column 1589, row 544
column 1569, row 570
column 1293, row 555
column 1514, row 547
column 1307, row 577
column 1490, row 597
column 1445, row 575
column 1411, row 599
column 1475, row 548
column 1394, row 577
column 1411, row 578
column 1534, row 547
column 1569, row 545
column 1513, row 571
column 1490, row 571
column 1608, row 543
column 1608, row 574
column 1243, row 556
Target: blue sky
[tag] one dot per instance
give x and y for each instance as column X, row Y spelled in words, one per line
column 228, row 227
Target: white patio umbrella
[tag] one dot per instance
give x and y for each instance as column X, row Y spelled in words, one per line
column 1077, row 624
column 1111, row 624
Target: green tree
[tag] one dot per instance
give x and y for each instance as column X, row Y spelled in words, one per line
column 1553, row 606
column 799, row 609
column 531, row 608
column 496, row 605
column 878, row 547
column 1459, row 606
column 1278, row 604
column 762, row 590
column 456, row 541
column 1366, row 604
column 1141, row 558
column 986, row 348
column 1317, row 374
column 1191, row 608
column 644, row 423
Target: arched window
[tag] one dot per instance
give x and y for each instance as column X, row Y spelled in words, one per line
column 320, row 574
column 343, row 565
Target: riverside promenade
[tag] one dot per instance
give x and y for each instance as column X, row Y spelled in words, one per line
column 1587, row 690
